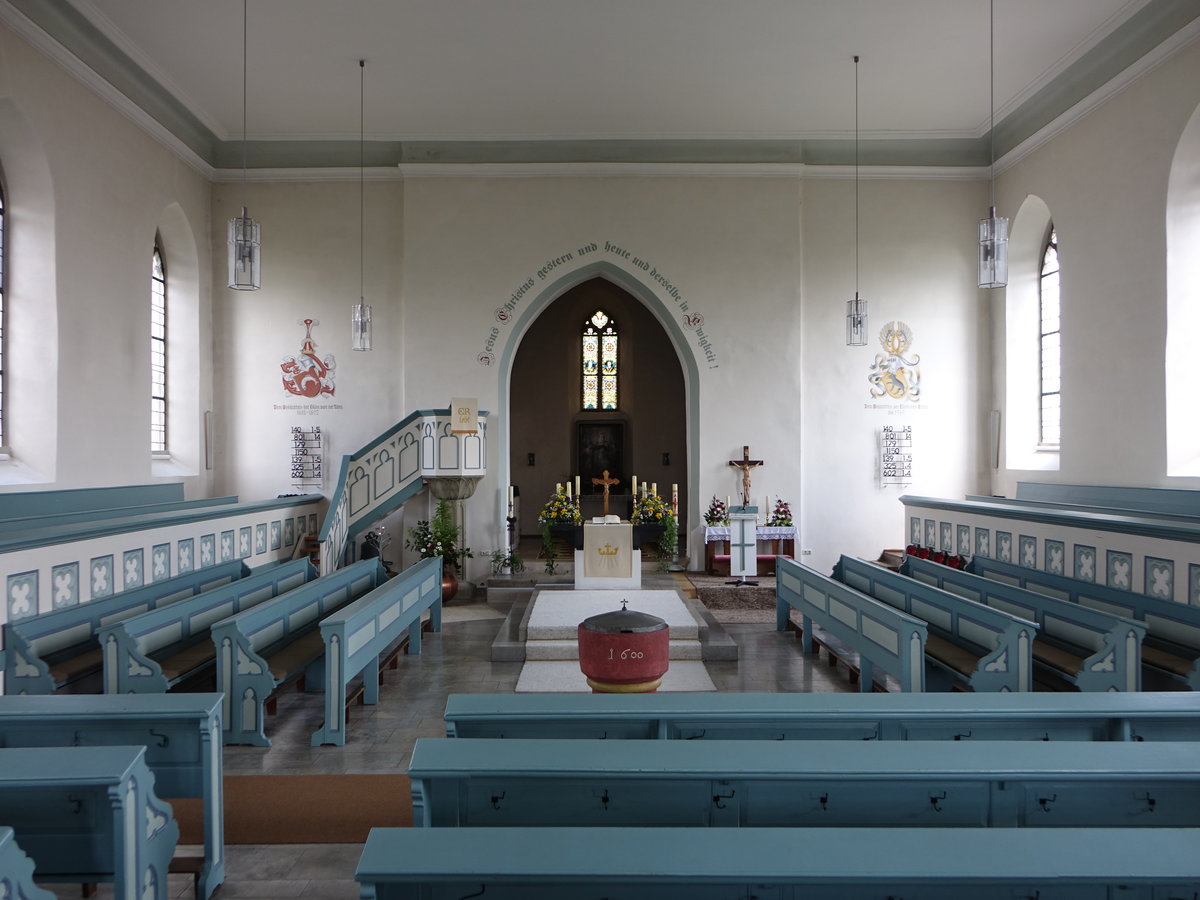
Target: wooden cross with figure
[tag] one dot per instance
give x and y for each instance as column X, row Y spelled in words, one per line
column 745, row 464
column 607, row 482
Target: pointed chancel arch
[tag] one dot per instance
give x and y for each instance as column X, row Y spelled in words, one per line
column 649, row 326
column 1183, row 303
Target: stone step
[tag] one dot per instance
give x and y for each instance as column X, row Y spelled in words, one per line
column 547, row 650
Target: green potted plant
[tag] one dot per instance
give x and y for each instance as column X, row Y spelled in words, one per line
column 560, row 516
column 653, row 519
column 439, row 537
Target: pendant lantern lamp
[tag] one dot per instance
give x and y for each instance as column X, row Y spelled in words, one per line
column 993, row 231
column 360, row 320
column 856, row 309
column 245, row 236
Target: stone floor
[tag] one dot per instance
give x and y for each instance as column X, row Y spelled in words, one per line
column 458, row 660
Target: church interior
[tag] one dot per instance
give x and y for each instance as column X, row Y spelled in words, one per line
column 842, row 337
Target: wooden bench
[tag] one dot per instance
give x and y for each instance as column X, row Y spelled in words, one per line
column 156, row 650
column 358, row 635
column 982, row 648
column 278, row 641
column 731, row 864
column 1152, row 716
column 1169, row 501
column 24, row 504
column 89, row 814
column 47, row 652
column 1092, row 649
column 181, row 734
column 489, row 781
column 878, row 633
column 16, row 870
column 37, row 524
column 1171, row 646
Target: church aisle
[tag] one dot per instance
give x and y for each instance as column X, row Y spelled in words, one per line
column 412, row 700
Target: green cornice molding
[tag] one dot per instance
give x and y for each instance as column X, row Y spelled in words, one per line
column 1151, row 28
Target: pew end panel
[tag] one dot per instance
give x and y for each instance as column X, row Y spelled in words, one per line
column 90, row 814
column 882, row 635
column 16, row 870
column 1091, row 649
column 56, row 648
column 1171, row 645
column 279, row 641
column 356, row 638
column 986, row 649
column 156, row 650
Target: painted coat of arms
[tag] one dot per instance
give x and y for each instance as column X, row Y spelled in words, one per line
column 306, row 374
column 893, row 374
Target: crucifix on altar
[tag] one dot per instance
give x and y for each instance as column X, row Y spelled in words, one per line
column 743, row 538
column 607, row 482
column 745, row 464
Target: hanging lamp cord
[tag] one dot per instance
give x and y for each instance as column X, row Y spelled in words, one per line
column 245, row 41
column 362, row 75
column 856, row 178
column 992, row 100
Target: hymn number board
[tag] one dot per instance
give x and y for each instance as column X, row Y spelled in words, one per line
column 895, row 455
column 306, row 455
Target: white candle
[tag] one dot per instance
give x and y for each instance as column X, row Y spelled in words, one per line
column 633, row 484
column 568, row 490
column 727, row 503
column 675, row 498
column 510, row 498
column 576, row 485
column 654, row 489
column 558, row 487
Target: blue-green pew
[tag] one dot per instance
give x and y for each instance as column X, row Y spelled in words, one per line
column 16, row 871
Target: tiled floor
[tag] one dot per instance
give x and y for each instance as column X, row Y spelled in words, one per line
column 411, row 703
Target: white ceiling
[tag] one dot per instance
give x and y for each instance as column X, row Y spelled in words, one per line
column 451, row 70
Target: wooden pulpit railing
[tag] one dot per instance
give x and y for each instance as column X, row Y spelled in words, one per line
column 391, row 469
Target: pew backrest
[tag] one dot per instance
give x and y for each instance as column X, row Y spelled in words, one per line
column 358, row 634
column 130, row 646
column 47, row 651
column 677, row 864
column 1109, row 646
column 956, row 716
column 245, row 641
column 488, row 781
column 882, row 635
column 1117, row 497
column 1001, row 642
column 1173, row 628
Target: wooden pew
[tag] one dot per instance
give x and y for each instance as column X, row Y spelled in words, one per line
column 1042, row 784
column 181, row 734
column 277, row 641
column 1092, row 649
column 16, row 871
column 1167, row 501
column 23, row 504
column 39, row 524
column 156, row 650
column 986, row 649
column 1171, row 646
column 880, row 634
column 89, row 814
column 357, row 636
column 1150, row 716
column 47, row 652
column 777, row 863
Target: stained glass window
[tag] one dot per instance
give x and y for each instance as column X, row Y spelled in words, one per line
column 158, row 352
column 1049, row 349
column 598, row 359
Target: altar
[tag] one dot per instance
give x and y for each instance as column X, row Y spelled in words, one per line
column 608, row 559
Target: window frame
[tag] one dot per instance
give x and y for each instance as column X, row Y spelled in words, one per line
column 1049, row 246
column 598, row 330
column 159, row 448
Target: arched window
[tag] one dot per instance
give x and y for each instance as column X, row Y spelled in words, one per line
column 598, row 358
column 158, row 351
column 1049, row 346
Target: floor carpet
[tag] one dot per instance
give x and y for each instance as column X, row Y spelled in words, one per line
column 302, row 809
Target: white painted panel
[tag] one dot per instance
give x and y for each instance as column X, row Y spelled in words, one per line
column 161, row 637
column 389, row 615
column 428, row 584
column 411, row 598
column 304, row 615
column 977, row 632
column 843, row 612
column 882, row 635
column 124, row 614
column 1187, row 635
column 203, row 619
column 890, row 596
column 1017, row 609
column 1116, row 609
column 66, row 638
column 1072, row 632
column 931, row 614
column 815, row 596
column 789, row 582
column 360, row 638
column 268, row 635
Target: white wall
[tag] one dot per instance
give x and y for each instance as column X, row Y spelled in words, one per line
column 87, row 189
column 1105, row 182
